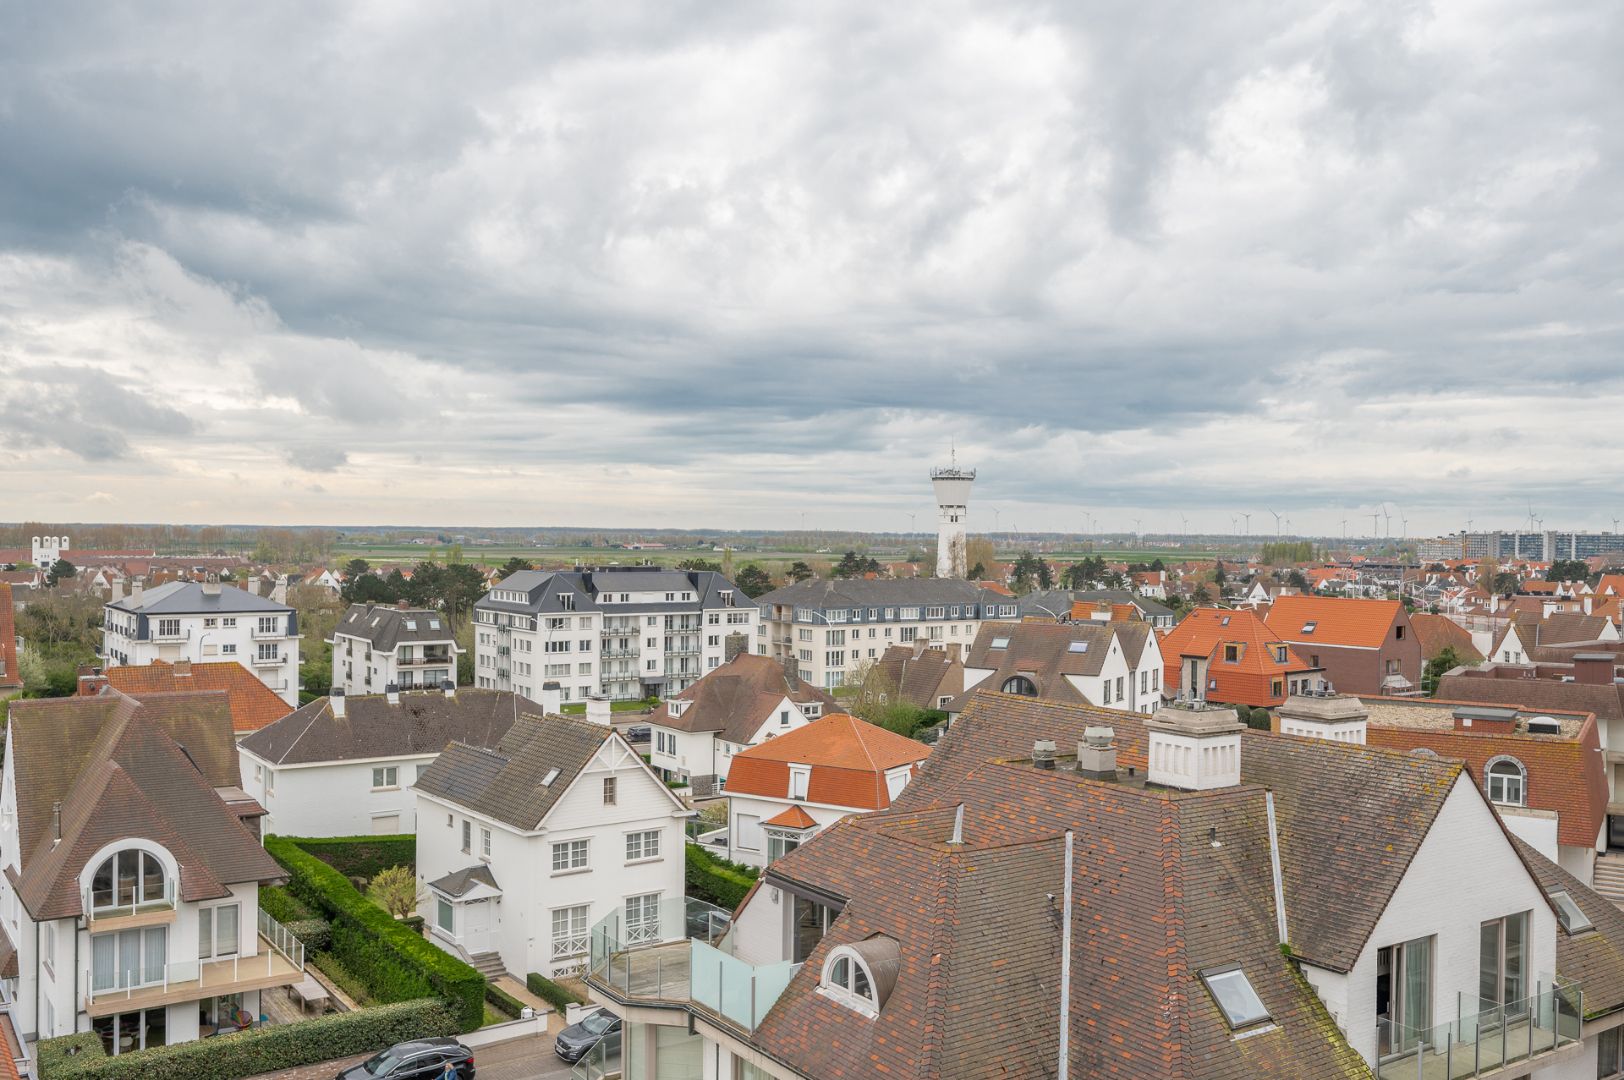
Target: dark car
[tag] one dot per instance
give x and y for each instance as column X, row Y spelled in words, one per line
column 419, row 1059
column 575, row 1040
column 708, row 926
column 639, row 733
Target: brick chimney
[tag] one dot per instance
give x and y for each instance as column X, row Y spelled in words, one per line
column 183, row 668
column 734, row 645
column 91, row 680
column 1594, row 669
column 792, row 673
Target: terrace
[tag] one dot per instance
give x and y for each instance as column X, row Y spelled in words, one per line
column 1496, row 1042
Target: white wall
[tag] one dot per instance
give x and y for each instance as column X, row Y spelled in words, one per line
column 764, row 809
column 333, row 798
column 231, row 637
column 1536, row 828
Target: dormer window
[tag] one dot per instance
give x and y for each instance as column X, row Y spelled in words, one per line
column 860, row 976
column 1573, row 920
column 128, row 879
column 1508, row 782
column 1233, row 993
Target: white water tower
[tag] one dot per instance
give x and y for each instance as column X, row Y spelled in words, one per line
column 952, row 486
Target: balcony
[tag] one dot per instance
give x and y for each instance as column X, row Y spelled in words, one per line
column 617, row 654
column 102, row 917
column 1505, row 1040
column 679, row 956
column 267, row 635
column 420, row 661
column 280, row 962
column 267, row 661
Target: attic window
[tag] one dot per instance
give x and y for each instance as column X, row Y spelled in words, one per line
column 1224, row 621
column 547, row 781
column 999, row 643
column 1078, row 646
column 1308, row 627
column 1568, row 913
column 1233, row 992
column 411, row 624
column 434, row 624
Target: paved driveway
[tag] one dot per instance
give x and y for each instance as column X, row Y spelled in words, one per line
column 529, row 1058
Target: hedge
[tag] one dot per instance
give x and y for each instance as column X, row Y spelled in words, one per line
column 393, row 962
column 362, row 856
column 504, row 1001
column 228, row 1057
column 715, row 880
column 314, row 934
column 282, row 905
column 552, row 993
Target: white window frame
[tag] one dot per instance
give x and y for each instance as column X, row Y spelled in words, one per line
column 577, row 856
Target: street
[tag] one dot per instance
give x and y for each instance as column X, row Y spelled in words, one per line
column 529, row 1058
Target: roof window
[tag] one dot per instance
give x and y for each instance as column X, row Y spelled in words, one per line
column 1308, row 627
column 1077, row 646
column 1233, row 992
column 1569, row 913
column 411, row 624
column 547, row 781
column 434, row 624
column 999, row 643
column 1223, row 620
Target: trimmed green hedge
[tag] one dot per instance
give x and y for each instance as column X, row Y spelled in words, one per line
column 246, row 1053
column 503, row 1000
column 394, row 963
column 715, row 880
column 314, row 934
column 283, row 906
column 361, row 856
column 552, row 993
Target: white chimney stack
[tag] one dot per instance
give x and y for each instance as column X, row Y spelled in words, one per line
column 391, row 693
column 1336, row 719
column 211, row 586
column 449, row 687
column 551, row 698
column 1194, row 747
column 336, row 700
column 597, row 709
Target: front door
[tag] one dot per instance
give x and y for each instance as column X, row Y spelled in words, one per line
column 477, row 931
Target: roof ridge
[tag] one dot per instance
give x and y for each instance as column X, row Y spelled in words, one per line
column 937, row 981
column 1175, row 1014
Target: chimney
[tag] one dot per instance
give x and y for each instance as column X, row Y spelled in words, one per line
column 403, row 605
column 391, row 693
column 449, row 687
column 1043, row 754
column 1096, row 754
column 56, row 822
column 734, row 645
column 792, row 673
column 1194, row 747
column 597, row 709
column 1486, row 719
column 183, row 668
column 1337, row 718
column 1593, row 669
column 551, row 698
column 252, row 584
column 137, row 587
column 91, row 680
column 211, row 585
column 335, row 698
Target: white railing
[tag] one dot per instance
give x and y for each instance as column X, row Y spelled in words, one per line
column 218, row 973
column 282, row 940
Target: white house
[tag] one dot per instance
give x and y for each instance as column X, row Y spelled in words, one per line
column 198, row 621
column 344, row 765
column 376, row 646
column 523, row 846
column 1116, row 664
column 743, row 703
column 129, row 902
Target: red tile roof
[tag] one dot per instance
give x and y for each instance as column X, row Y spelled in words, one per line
column 793, row 818
column 849, row 759
column 9, row 675
column 1247, row 680
column 1339, row 620
column 253, row 704
column 1435, row 633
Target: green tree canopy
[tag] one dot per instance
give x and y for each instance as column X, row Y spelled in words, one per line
column 753, row 581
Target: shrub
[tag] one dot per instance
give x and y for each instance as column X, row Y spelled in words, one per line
column 362, row 856
column 247, row 1053
column 552, row 993
column 314, row 934
column 393, row 962
column 395, row 890
column 282, row 905
column 715, row 880
column 504, row 1001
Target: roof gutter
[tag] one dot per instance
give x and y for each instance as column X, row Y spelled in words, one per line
column 1274, row 864
column 1063, row 1065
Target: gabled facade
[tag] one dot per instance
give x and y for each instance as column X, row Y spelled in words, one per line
column 129, row 901
column 915, row 675
column 1232, row 657
column 1116, row 665
column 376, row 646
column 1362, row 646
column 521, row 847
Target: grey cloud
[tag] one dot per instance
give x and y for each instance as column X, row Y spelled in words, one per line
column 316, row 458
column 84, row 411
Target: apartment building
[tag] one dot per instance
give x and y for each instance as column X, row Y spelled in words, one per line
column 1088, row 892
column 629, row 632
column 129, row 902
column 834, row 630
column 376, row 646
column 199, row 621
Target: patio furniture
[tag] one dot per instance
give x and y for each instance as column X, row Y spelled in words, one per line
column 309, row 992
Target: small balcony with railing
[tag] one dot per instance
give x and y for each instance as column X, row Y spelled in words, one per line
column 135, row 973
column 132, row 902
column 1490, row 1042
column 676, row 953
column 425, row 658
column 260, row 659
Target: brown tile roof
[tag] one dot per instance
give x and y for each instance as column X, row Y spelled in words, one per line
column 1560, row 628
column 8, row 956
column 1594, row 958
column 1042, row 652
column 1339, row 620
column 1503, row 684
column 253, row 704
column 122, row 768
column 735, row 699
column 423, row 722
column 920, row 680
column 1435, row 633
column 849, row 759
column 10, row 676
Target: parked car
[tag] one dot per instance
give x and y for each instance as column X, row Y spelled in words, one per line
column 639, row 733
column 575, row 1041
column 419, row 1059
column 708, row 926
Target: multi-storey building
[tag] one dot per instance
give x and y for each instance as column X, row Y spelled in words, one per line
column 198, row 621
column 626, row 631
column 376, row 646
column 836, row 629
column 1541, row 546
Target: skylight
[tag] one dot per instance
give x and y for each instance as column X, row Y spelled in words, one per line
column 1000, row 643
column 1224, row 621
column 1235, row 997
column 434, row 624
column 1079, row 646
column 547, row 781
column 1308, row 627
column 411, row 624
column 1567, row 910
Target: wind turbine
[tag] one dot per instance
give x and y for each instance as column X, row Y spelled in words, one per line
column 1247, row 514
column 1615, row 525
column 995, row 516
column 1344, row 530
column 1185, row 522
column 1374, row 514
column 1234, row 520
column 1276, row 524
column 912, row 517
column 1387, row 522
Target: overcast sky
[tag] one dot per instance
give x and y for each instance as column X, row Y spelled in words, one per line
column 720, row 264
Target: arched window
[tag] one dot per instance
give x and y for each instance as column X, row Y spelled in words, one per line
column 127, row 879
column 1020, row 684
column 846, row 979
column 1508, row 782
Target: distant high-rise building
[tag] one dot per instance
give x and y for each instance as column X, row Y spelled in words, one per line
column 952, row 486
column 1545, row 546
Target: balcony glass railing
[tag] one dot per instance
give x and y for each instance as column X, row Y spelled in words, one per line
column 128, row 901
column 133, row 975
column 677, row 952
column 1491, row 1038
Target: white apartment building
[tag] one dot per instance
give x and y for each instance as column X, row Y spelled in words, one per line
column 376, row 646
column 834, row 629
column 201, row 621
column 629, row 632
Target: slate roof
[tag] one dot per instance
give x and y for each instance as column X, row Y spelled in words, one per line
column 735, row 699
column 462, row 881
column 253, row 704
column 918, row 677
column 1061, row 600
column 424, row 722
column 849, row 759
column 544, row 590
column 123, row 768
column 188, row 598
column 505, row 782
column 979, row 927
column 820, row 594
column 391, row 625
column 1593, row 958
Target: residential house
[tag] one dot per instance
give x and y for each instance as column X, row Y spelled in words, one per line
column 834, row 629
column 1059, row 604
column 748, row 700
column 201, row 621
column 1435, row 633
column 1523, row 636
column 1233, row 657
column 521, row 847
column 253, row 704
column 344, row 765
column 1362, row 646
column 629, row 632
column 1151, row 583
column 915, row 675
column 376, row 646
column 129, row 902
column 1117, row 664
column 782, row 793
column 1088, row 892
column 11, row 676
